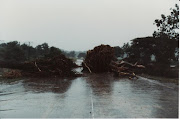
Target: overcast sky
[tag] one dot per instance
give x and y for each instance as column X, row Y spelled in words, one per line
column 79, row 24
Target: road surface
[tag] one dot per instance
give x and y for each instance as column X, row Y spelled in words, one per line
column 93, row 96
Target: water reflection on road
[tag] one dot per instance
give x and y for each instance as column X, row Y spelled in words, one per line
column 96, row 95
column 54, row 85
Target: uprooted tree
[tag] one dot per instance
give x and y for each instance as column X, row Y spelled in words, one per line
column 102, row 59
column 98, row 59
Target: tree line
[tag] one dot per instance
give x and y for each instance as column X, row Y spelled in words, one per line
column 160, row 48
column 16, row 52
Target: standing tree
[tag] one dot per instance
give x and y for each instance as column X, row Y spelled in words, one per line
column 126, row 49
column 13, row 52
column 168, row 31
column 168, row 26
column 118, row 51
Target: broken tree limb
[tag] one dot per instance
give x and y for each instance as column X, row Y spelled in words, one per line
column 37, row 66
column 123, row 68
column 87, row 67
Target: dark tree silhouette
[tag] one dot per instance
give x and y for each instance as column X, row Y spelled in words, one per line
column 142, row 49
column 29, row 51
column 118, row 51
column 13, row 52
column 53, row 52
column 168, row 31
column 168, row 25
column 82, row 55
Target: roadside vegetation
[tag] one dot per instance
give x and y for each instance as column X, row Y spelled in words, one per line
column 159, row 52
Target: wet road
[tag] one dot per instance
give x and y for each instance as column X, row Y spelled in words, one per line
column 93, row 96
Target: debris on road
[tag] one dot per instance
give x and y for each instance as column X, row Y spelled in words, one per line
column 98, row 59
column 123, row 68
column 57, row 66
column 102, row 59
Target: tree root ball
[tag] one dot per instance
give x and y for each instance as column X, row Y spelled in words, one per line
column 98, row 60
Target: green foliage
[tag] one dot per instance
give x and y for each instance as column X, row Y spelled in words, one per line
column 126, row 49
column 168, row 32
column 12, row 52
column 168, row 26
column 118, row 51
column 142, row 50
column 164, row 44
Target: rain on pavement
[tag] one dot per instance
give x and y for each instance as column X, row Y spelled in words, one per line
column 92, row 96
